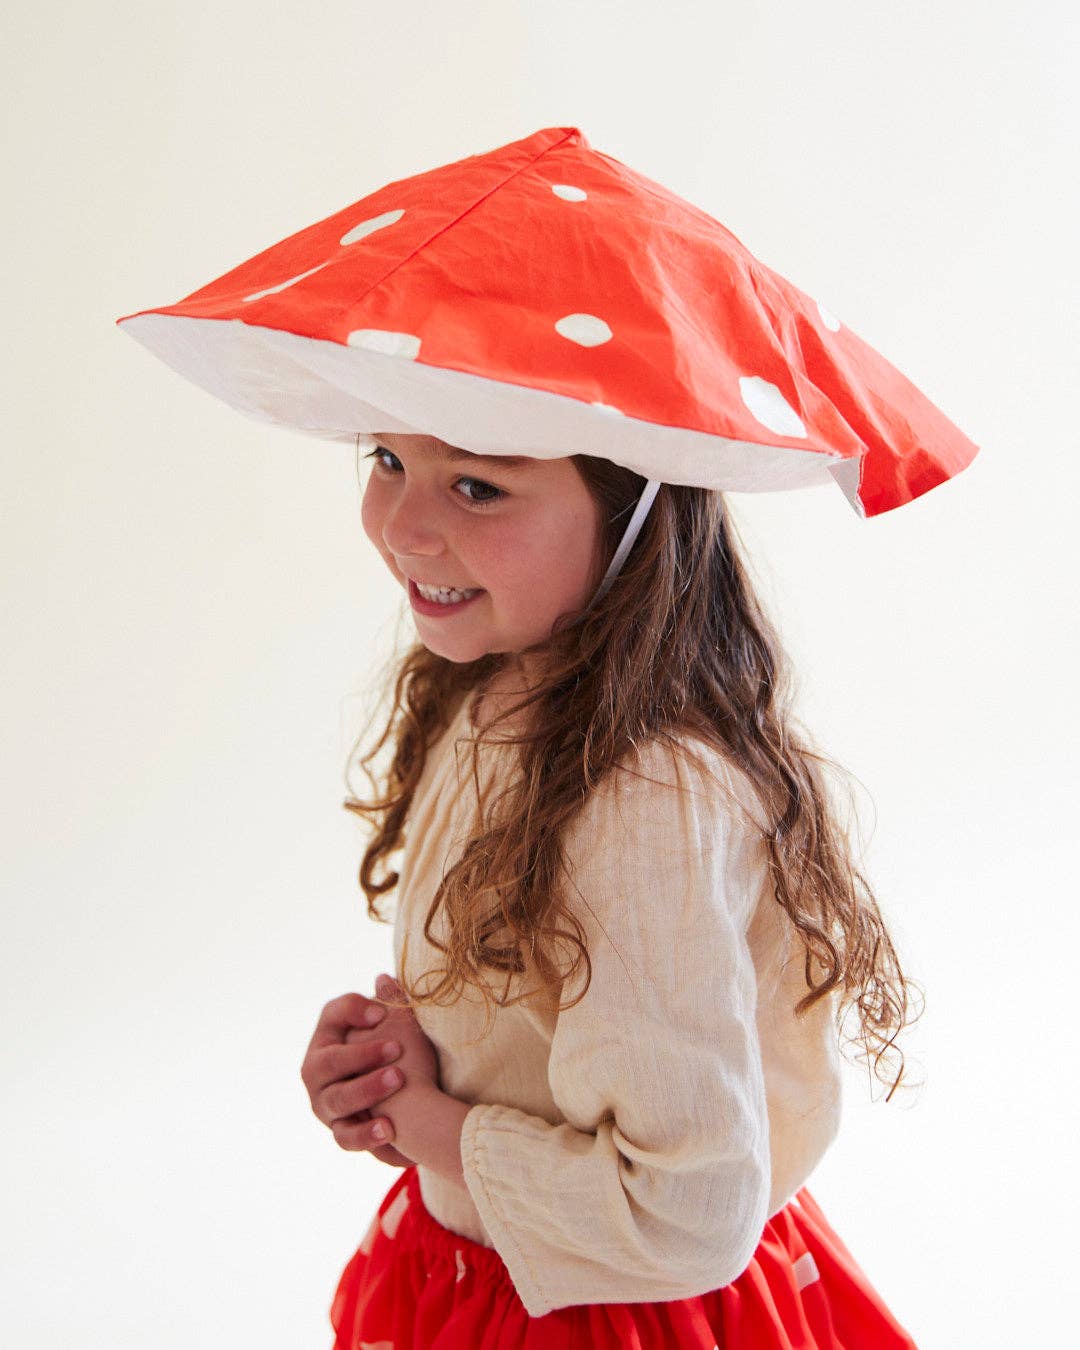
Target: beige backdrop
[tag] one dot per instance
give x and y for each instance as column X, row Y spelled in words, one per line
column 192, row 616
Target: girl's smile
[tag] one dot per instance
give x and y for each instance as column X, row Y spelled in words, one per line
column 523, row 533
column 438, row 609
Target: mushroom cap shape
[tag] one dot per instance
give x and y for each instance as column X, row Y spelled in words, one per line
column 544, row 299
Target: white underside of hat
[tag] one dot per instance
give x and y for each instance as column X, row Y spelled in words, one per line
column 334, row 392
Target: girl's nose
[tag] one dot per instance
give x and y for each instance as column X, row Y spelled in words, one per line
column 408, row 529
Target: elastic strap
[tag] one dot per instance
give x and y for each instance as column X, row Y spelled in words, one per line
column 626, row 543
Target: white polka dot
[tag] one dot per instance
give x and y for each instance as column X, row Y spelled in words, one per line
column 568, row 193
column 273, row 290
column 367, row 227
column 360, row 231
column 392, row 1215
column 384, row 340
column 806, row 1271
column 460, row 1265
column 769, row 406
column 585, row 329
column 831, row 322
column 369, row 1236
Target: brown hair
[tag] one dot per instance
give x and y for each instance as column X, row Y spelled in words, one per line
column 679, row 645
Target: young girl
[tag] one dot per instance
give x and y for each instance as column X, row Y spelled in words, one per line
column 627, row 923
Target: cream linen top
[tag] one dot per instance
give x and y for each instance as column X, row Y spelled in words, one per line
column 631, row 1148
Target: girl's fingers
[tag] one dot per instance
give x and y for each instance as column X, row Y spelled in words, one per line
column 360, row 1136
column 357, row 1094
column 343, row 1012
column 341, row 1069
column 338, row 1067
column 333, row 1063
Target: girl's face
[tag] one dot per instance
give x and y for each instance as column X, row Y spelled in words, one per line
column 526, row 532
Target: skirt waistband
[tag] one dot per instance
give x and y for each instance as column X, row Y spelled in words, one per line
column 420, row 1228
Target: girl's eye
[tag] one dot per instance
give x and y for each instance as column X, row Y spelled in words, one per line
column 477, row 482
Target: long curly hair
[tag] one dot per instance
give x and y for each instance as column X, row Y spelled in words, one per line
column 679, row 645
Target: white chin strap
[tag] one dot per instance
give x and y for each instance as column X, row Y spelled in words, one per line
column 626, row 543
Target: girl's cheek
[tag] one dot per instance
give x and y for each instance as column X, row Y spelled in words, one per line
column 367, row 515
column 507, row 563
column 371, row 518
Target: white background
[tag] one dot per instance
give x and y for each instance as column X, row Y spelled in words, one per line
column 192, row 616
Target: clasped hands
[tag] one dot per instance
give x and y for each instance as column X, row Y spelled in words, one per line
column 354, row 1042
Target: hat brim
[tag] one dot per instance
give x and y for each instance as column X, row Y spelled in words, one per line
column 333, row 392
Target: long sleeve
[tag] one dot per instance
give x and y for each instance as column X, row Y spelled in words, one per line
column 655, row 1185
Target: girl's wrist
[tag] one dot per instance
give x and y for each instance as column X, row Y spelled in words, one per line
column 427, row 1127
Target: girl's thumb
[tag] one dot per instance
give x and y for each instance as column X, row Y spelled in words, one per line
column 386, row 986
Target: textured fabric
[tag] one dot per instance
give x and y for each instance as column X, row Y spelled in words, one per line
column 543, row 298
column 632, row 1147
column 414, row 1285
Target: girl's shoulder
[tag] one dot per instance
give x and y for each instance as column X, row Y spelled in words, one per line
column 688, row 763
column 680, row 782
column 670, row 837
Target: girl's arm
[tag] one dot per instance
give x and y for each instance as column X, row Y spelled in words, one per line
column 427, row 1126
column 655, row 1183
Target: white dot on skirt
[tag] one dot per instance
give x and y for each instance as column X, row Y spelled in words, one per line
column 806, row 1271
column 392, row 1217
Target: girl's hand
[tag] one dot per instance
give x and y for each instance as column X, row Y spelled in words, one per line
column 344, row 1061
column 419, row 1060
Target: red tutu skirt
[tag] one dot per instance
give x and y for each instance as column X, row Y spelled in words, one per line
column 415, row 1285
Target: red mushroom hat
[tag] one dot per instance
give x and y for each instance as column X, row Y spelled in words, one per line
column 544, row 299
